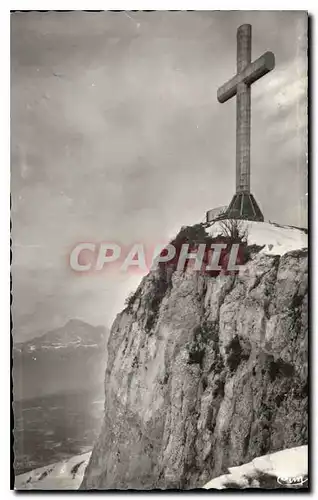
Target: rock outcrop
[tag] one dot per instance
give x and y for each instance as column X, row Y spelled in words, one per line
column 283, row 469
column 204, row 373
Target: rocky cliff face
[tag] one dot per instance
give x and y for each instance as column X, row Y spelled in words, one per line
column 204, row 373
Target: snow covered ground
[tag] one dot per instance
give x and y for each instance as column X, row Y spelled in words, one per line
column 276, row 238
column 283, row 468
column 287, row 467
column 65, row 475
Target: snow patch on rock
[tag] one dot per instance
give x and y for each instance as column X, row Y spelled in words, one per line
column 65, row 475
column 277, row 239
column 282, row 465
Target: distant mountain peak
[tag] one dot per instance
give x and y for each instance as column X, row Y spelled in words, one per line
column 77, row 322
column 74, row 333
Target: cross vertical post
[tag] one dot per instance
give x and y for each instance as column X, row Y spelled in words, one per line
column 243, row 111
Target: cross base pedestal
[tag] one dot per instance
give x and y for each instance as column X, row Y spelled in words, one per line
column 244, row 206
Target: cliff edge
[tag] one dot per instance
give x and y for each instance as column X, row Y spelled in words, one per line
column 205, row 373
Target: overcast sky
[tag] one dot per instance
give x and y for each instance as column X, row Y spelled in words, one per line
column 117, row 135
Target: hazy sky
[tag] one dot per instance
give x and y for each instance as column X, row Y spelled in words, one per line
column 117, row 135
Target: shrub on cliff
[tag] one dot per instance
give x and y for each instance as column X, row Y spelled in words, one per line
column 234, row 229
column 231, row 232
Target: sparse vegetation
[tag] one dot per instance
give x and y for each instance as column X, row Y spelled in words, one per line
column 219, row 389
column 231, row 232
column 250, row 250
column 234, row 229
column 297, row 301
column 202, row 335
column 266, row 413
column 129, row 301
column 196, row 355
column 192, row 234
column 154, row 298
column 204, row 383
column 294, row 313
column 280, row 368
column 237, row 232
column 236, row 353
column 135, row 362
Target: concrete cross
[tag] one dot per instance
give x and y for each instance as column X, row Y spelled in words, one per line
column 240, row 85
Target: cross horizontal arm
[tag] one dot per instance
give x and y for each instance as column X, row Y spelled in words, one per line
column 249, row 75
